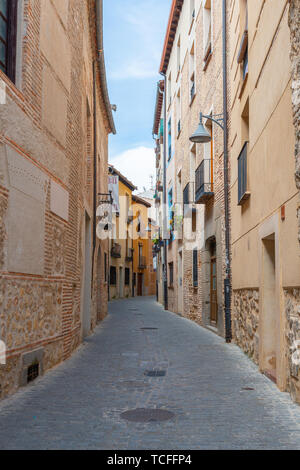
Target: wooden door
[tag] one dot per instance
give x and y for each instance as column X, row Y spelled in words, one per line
column 140, row 285
column 213, row 291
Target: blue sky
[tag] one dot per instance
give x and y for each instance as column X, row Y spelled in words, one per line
column 134, row 32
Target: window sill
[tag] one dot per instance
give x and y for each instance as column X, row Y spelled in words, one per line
column 244, row 198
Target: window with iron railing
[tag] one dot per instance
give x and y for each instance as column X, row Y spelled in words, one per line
column 243, row 192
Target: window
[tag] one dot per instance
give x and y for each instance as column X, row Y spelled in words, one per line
column 192, row 10
column 171, row 274
column 243, row 194
column 207, row 32
column 127, row 276
column 195, row 268
column 113, row 276
column 169, row 91
column 178, row 112
column 242, row 57
column 192, row 73
column 178, row 57
column 170, row 139
column 8, row 37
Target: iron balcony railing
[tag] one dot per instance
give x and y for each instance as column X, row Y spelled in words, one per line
column 142, row 262
column 116, row 250
column 204, row 182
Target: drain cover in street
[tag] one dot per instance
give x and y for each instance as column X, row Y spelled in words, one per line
column 155, row 373
column 133, row 309
column 149, row 328
column 147, row 415
column 248, row 388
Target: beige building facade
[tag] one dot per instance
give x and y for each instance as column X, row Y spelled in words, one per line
column 262, row 54
column 264, row 196
column 55, row 118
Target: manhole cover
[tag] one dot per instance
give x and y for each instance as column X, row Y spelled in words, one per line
column 147, row 415
column 155, row 373
column 149, row 328
column 248, row 388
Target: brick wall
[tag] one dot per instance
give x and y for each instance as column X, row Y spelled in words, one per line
column 45, row 139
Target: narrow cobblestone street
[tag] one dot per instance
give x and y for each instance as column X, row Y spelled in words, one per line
column 78, row 404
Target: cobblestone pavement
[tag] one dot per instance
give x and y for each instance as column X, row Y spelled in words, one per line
column 78, row 404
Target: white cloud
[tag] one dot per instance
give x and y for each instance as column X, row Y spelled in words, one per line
column 137, row 69
column 137, row 164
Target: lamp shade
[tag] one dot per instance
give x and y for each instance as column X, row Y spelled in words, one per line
column 200, row 136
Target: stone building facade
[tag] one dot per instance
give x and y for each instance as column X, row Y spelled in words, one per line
column 192, row 65
column 55, row 118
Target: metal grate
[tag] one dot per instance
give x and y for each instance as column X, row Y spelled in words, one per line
column 155, row 373
column 147, row 415
column 32, row 372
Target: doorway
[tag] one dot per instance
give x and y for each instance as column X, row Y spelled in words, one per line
column 180, row 283
column 213, row 285
column 270, row 308
column 86, row 317
column 121, row 283
column 140, row 285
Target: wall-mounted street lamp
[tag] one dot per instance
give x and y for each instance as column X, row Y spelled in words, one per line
column 201, row 136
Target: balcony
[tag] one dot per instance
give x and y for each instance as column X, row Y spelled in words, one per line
column 116, row 251
column 204, row 182
column 142, row 262
column 129, row 256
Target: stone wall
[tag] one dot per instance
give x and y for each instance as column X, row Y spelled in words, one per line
column 292, row 308
column 294, row 24
column 245, row 316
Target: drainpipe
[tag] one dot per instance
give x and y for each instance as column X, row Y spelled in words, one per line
column 95, row 166
column 165, row 273
column 227, row 280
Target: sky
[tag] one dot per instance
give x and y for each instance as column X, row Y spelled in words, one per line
column 134, row 32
